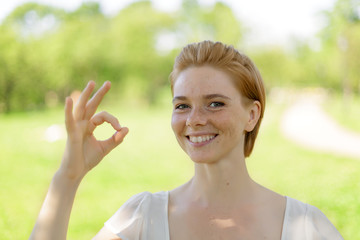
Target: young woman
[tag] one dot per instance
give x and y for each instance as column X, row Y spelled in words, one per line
column 218, row 105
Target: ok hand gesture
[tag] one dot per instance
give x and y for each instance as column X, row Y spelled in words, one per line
column 83, row 151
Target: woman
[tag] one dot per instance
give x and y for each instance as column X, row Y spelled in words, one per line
column 218, row 105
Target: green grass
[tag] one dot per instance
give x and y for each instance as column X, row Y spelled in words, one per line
column 150, row 160
column 346, row 111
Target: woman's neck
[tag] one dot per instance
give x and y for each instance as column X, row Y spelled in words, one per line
column 223, row 182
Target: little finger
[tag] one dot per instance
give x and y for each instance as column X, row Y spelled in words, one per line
column 69, row 119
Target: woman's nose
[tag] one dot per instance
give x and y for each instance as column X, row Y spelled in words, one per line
column 196, row 117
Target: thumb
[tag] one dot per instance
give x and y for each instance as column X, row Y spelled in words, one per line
column 120, row 135
column 109, row 144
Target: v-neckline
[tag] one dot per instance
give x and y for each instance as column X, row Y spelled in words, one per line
column 284, row 224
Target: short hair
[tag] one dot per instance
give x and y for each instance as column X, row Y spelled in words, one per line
column 226, row 58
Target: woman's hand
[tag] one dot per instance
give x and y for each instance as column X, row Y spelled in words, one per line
column 83, row 151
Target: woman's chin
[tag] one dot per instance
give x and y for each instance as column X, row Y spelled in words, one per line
column 202, row 159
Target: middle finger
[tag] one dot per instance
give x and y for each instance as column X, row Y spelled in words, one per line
column 94, row 102
column 83, row 99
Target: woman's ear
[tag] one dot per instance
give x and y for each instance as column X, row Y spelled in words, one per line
column 254, row 110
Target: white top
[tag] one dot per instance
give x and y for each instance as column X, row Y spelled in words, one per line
column 145, row 216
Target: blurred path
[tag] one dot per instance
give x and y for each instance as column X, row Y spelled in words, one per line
column 306, row 123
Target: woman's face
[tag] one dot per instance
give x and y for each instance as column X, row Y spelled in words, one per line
column 209, row 118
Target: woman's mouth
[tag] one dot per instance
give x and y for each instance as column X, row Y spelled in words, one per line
column 202, row 138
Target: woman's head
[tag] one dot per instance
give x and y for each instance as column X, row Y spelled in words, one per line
column 238, row 66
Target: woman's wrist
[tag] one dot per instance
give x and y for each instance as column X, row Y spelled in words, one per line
column 67, row 178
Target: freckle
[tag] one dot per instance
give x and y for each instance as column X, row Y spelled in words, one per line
column 227, row 183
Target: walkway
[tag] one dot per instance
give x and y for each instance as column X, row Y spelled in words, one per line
column 306, row 123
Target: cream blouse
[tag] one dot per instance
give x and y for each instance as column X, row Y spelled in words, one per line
column 145, row 217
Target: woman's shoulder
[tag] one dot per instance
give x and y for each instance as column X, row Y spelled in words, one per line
column 145, row 197
column 141, row 203
column 135, row 215
column 304, row 221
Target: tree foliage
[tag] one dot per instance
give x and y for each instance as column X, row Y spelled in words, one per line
column 46, row 52
column 340, row 40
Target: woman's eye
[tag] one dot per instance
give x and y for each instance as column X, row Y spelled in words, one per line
column 216, row 104
column 181, row 106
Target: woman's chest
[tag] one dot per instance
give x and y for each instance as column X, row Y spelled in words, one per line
column 193, row 225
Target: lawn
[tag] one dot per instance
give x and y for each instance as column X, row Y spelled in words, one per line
column 346, row 110
column 150, row 160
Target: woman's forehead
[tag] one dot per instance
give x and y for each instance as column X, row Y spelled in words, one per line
column 205, row 80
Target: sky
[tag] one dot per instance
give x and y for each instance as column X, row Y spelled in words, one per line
column 275, row 21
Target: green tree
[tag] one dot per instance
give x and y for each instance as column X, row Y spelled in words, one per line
column 340, row 40
column 216, row 23
column 47, row 51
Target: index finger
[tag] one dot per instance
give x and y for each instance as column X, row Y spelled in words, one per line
column 94, row 102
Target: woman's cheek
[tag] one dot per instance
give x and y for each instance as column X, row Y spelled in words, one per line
column 176, row 123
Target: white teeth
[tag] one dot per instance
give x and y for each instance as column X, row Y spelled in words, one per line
column 200, row 139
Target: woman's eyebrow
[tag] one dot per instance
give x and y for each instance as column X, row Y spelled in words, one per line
column 208, row 96
column 216, row 95
column 179, row 98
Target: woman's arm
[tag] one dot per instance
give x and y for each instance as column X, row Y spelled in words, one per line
column 53, row 219
column 83, row 152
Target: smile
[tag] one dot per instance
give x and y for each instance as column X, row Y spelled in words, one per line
column 200, row 139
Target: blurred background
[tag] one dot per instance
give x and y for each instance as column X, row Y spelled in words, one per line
column 307, row 52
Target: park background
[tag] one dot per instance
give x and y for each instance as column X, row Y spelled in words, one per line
column 48, row 53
